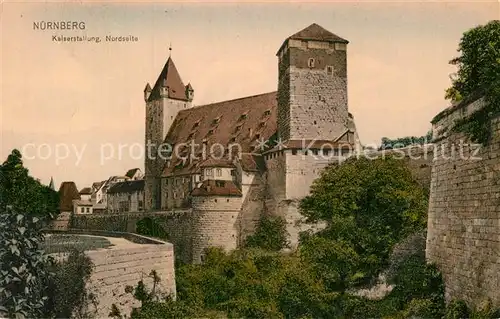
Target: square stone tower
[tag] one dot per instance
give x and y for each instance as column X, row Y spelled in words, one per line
column 312, row 86
column 168, row 96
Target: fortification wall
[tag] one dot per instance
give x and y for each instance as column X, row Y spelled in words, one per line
column 463, row 236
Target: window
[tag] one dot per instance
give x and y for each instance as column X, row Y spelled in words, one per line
column 220, row 183
column 294, row 152
column 208, row 172
column 315, row 152
column 190, row 136
column 216, row 121
column 232, row 140
column 243, row 117
column 195, row 125
column 215, row 200
column 306, row 152
column 175, row 195
column 267, row 113
column 310, row 63
column 140, row 204
column 238, row 128
column 262, row 124
column 329, row 70
column 218, row 172
column 88, row 209
column 227, row 200
column 210, row 132
column 82, row 210
column 326, row 152
column 233, row 173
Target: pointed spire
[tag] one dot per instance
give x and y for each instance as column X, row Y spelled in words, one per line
column 169, row 83
column 51, row 184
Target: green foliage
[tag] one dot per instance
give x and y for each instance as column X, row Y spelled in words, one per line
column 150, row 227
column 68, row 294
column 368, row 205
column 388, row 143
column 478, row 73
column 458, row 309
column 23, row 192
column 270, row 234
column 24, row 272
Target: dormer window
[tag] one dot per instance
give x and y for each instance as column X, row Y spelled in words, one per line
column 267, row 113
column 262, row 124
column 232, row 140
column 195, row 125
column 216, row 121
column 310, row 62
column 190, row 136
column 210, row 132
column 243, row 117
column 238, row 128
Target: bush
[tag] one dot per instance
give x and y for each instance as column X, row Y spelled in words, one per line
column 151, row 227
column 68, row 295
column 24, row 268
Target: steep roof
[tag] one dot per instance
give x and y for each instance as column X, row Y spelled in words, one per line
column 67, row 192
column 241, row 122
column 170, row 78
column 131, row 172
column 127, row 187
column 85, row 191
column 216, row 188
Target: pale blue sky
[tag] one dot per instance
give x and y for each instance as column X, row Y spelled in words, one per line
column 90, row 94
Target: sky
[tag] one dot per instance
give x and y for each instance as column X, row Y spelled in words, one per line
column 76, row 110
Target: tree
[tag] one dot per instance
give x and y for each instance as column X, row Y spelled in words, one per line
column 368, row 205
column 23, row 192
column 271, row 234
column 478, row 75
column 479, row 61
column 24, row 268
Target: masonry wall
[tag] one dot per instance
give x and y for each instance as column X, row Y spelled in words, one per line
column 119, row 267
column 463, row 236
column 214, row 224
column 315, row 106
column 253, row 190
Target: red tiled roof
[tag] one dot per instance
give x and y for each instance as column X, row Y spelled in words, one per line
column 170, row 78
column 67, row 192
column 216, row 188
column 240, row 122
column 252, row 162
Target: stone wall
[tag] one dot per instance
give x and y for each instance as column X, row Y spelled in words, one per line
column 463, row 236
column 122, row 266
column 312, row 98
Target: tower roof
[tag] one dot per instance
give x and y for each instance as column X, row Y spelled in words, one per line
column 170, row 78
column 317, row 32
column 314, row 32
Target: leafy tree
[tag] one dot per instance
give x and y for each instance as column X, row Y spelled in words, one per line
column 368, row 205
column 270, row 234
column 388, row 143
column 479, row 61
column 24, row 268
column 478, row 74
column 23, row 192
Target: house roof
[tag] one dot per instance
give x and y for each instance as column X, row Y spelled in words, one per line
column 241, row 122
column 131, row 172
column 86, row 191
column 169, row 77
column 67, row 192
column 216, row 188
column 79, row 202
column 252, row 162
column 127, row 187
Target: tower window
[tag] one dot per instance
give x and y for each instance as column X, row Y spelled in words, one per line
column 310, row 63
column 329, row 70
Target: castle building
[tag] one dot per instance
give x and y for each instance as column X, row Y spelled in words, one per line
column 227, row 163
